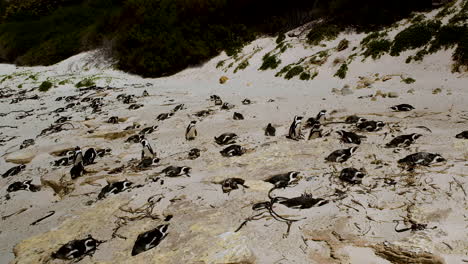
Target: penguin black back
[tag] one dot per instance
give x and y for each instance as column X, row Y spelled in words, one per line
column 270, row 130
column 149, row 239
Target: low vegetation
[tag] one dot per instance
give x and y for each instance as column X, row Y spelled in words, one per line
column 341, row 73
column 270, row 61
column 408, row 80
column 376, row 48
column 324, row 31
column 45, row 86
column 87, row 82
column 415, row 36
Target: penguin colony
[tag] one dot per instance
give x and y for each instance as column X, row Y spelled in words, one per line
column 81, row 247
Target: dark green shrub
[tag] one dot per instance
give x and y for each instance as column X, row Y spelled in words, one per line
column 418, row 18
column 344, row 43
column 373, row 36
column 377, row 48
column 45, row 86
column 341, row 73
column 414, row 36
column 269, row 62
column 323, row 31
column 242, row 65
column 447, row 37
column 296, row 70
column 280, row 38
column 283, row 70
column 304, row 76
column 87, row 82
column 408, row 80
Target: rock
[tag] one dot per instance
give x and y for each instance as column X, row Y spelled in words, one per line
column 346, row 91
column 230, row 248
column 406, row 253
column 223, row 79
column 393, row 94
column 21, row 157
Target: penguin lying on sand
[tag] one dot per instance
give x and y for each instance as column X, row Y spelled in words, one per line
column 149, row 239
column 76, row 249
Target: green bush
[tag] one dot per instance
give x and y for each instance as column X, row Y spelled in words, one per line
column 87, row 82
column 296, row 70
column 304, row 76
column 341, row 73
column 447, row 37
column 280, row 38
column 45, row 86
column 242, row 65
column 344, row 43
column 323, row 31
column 414, row 36
column 269, row 62
column 376, row 48
column 408, row 80
column 373, row 36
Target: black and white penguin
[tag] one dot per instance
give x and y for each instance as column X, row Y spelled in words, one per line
column 77, row 156
column 227, row 106
column 65, row 161
column 232, row 150
column 77, row 249
column 295, row 128
column 134, row 139
column 370, row 126
column 315, row 131
column 129, row 99
column 194, row 153
column 403, row 140
column 59, row 110
column 354, row 119
column 147, row 151
column 62, row 119
column 463, row 134
column 402, row 107
column 341, row 155
column 237, row 116
column 304, row 201
column 174, row 171
column 135, row 106
column 421, row 158
column 350, row 137
column 191, row 131
column 24, row 185
column 89, row 156
column 352, row 175
column 121, row 97
column 226, row 139
column 133, row 126
column 102, row 152
column 164, row 116
column 113, row 120
column 318, row 118
column 270, row 131
column 145, row 94
column 14, row 170
column 284, row 179
column 148, row 130
column 231, row 184
column 149, row 239
column 246, row 101
column 114, row 188
column 204, row 113
column 77, row 170
column 214, row 97
column 147, row 162
column 178, row 108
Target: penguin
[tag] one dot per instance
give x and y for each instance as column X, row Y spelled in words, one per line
column 150, row 239
column 77, row 170
column 403, row 140
column 305, row 201
column 134, row 139
column 59, row 110
column 194, row 153
column 284, row 180
column 402, row 108
column 121, row 97
column 178, row 107
column 191, row 131
column 237, row 116
column 77, row 249
column 463, row 134
column 133, row 126
column 350, row 137
column 341, row 155
column 312, row 120
column 71, row 105
column 102, row 152
column 77, row 156
column 62, row 119
column 24, row 185
column 315, row 131
column 147, row 151
column 164, row 116
column 63, row 161
column 370, row 126
column 89, row 156
column 145, row 94
column 231, row 184
column 295, row 128
column 113, row 120
column 147, row 162
column 226, row 139
column 227, row 106
column 173, row 171
column 135, row 106
column 129, row 99
column 214, row 97
column 232, row 150
column 14, row 171
column 246, row 101
column 421, row 158
column 203, row 113
column 354, row 119
column 270, row 131
column 114, row 188
column 148, row 130
column 352, row 175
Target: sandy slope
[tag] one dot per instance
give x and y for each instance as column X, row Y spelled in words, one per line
column 358, row 228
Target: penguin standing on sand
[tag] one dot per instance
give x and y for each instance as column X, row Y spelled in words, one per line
column 89, row 156
column 149, row 239
column 147, row 151
column 77, row 170
column 295, row 128
column 270, row 131
column 315, row 131
column 341, row 155
column 191, row 131
column 77, row 156
column 317, row 119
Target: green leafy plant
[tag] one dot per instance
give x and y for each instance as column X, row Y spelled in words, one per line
column 341, row 73
column 415, row 36
column 45, row 86
column 270, row 61
column 376, row 48
column 408, row 80
column 322, row 32
column 294, row 71
column 87, row 82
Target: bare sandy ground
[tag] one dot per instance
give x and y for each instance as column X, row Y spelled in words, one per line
column 355, row 227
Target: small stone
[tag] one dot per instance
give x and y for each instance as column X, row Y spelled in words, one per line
column 223, row 79
column 393, row 94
